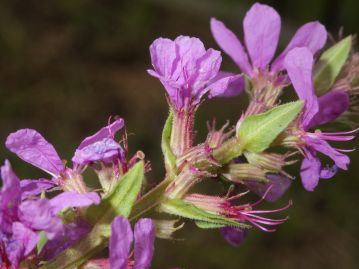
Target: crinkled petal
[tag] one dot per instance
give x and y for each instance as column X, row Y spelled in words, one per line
column 39, row 215
column 120, row 242
column 163, row 57
column 33, row 187
column 310, row 172
column 276, row 186
column 106, row 132
column 32, row 147
column 261, row 27
column 105, row 150
column 234, row 236
column 190, row 50
column 341, row 160
column 299, row 65
column 26, row 236
column 144, row 243
column 331, row 106
column 311, row 35
column 207, row 69
column 166, row 64
column 231, row 45
column 73, row 199
column 10, row 197
column 226, row 85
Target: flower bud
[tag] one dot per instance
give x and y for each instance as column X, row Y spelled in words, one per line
column 272, row 162
column 240, row 172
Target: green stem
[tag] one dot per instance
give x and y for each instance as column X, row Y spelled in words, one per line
column 150, row 200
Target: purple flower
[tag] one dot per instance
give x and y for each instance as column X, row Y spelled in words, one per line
column 33, row 148
column 188, row 71
column 22, row 219
column 121, row 241
column 101, row 146
column 299, row 65
column 261, row 26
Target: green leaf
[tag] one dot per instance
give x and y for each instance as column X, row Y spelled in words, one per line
column 207, row 225
column 121, row 199
column 180, row 208
column 257, row 132
column 330, row 64
column 169, row 157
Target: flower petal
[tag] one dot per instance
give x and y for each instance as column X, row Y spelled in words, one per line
column 310, row 172
column 26, row 236
column 276, row 186
column 73, row 199
column 38, row 215
column 331, row 105
column 231, row 45
column 299, row 65
column 10, row 197
column 106, row 132
column 120, row 242
column 207, row 68
column 33, row 187
column 341, row 160
column 261, row 27
column 234, row 236
column 226, row 85
column 144, row 243
column 163, row 56
column 20, row 244
column 105, row 150
column 328, row 172
column 32, row 147
column 311, row 35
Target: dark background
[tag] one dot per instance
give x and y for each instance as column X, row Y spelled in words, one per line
column 66, row 66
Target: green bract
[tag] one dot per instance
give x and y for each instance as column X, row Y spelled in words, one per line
column 330, row 64
column 257, row 132
column 169, row 157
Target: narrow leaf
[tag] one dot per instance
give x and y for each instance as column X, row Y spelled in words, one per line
column 257, row 132
column 186, row 210
column 330, row 64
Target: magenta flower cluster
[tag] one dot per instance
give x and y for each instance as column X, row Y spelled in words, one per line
column 62, row 222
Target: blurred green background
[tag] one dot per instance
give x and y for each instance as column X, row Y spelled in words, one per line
column 66, row 66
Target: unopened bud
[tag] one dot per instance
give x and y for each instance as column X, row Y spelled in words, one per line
column 240, row 172
column 272, row 162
